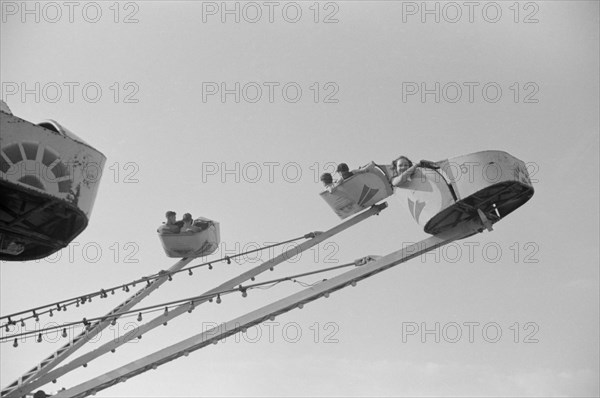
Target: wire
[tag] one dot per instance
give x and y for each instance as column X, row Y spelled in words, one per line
column 260, row 285
column 103, row 293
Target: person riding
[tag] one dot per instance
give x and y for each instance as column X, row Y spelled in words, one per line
column 188, row 223
column 171, row 226
column 400, row 170
column 327, row 181
column 403, row 171
column 344, row 172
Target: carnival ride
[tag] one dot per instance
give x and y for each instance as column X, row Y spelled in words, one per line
column 451, row 203
column 49, row 178
column 192, row 243
column 441, row 198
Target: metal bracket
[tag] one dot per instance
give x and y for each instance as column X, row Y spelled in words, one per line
column 485, row 221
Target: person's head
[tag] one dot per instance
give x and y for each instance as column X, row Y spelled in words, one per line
column 342, row 167
column 402, row 164
column 187, row 217
column 171, row 216
column 326, row 179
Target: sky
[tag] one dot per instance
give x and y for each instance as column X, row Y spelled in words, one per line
column 232, row 110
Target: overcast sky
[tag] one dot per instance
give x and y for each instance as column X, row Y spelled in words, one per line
column 231, row 111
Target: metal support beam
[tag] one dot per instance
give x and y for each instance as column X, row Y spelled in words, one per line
column 262, row 314
column 484, row 220
column 20, row 387
column 161, row 319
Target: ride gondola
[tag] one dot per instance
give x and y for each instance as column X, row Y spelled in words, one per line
column 201, row 240
column 487, row 185
column 49, row 178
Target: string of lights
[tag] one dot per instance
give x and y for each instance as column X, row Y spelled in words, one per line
column 86, row 323
column 103, row 293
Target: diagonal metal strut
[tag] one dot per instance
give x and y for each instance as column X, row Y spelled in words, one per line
column 48, row 376
column 297, row 300
column 20, row 386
